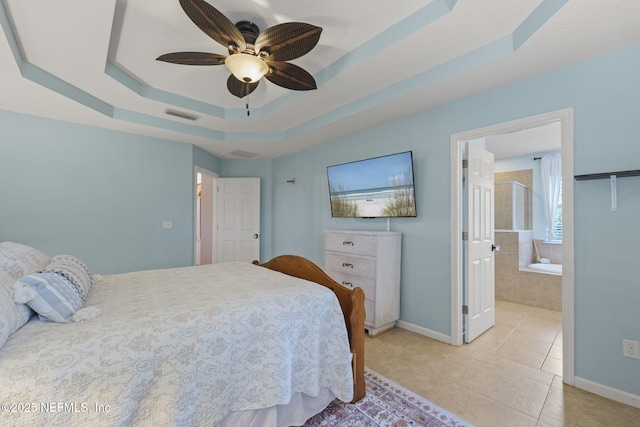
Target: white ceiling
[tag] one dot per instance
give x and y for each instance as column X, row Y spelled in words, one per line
column 94, row 63
column 535, row 140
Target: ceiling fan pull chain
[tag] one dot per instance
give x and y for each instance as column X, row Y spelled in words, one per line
column 247, row 92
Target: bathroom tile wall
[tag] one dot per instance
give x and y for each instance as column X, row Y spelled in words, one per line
column 503, row 200
column 523, row 287
column 503, row 207
column 525, row 248
column 524, row 176
column 551, row 251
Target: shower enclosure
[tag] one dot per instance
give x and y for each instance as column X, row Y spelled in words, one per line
column 512, row 206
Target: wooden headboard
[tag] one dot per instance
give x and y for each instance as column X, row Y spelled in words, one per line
column 351, row 302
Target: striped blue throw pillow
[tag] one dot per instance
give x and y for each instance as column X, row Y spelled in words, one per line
column 72, row 271
column 52, row 295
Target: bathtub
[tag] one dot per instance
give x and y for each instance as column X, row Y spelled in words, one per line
column 546, row 268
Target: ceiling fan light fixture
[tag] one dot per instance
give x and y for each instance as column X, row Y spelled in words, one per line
column 245, row 67
column 252, row 54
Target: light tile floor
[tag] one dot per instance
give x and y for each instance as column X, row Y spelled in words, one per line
column 509, row 376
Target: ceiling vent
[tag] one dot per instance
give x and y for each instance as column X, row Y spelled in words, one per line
column 241, row 153
column 181, row 114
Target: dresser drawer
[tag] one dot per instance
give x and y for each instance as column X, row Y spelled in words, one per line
column 350, row 264
column 350, row 281
column 350, row 243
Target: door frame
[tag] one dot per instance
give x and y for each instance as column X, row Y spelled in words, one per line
column 215, row 175
column 565, row 117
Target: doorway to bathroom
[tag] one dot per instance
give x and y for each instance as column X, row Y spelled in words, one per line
column 562, row 119
column 204, row 216
column 528, row 269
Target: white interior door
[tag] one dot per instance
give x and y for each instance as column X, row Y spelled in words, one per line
column 480, row 261
column 237, row 202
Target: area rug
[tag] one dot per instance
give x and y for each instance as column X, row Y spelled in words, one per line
column 386, row 404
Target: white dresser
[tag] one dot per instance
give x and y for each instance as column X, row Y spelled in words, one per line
column 370, row 260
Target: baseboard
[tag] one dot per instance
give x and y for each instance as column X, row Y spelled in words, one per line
column 424, row 331
column 608, row 392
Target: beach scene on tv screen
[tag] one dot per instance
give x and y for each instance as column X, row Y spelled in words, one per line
column 380, row 187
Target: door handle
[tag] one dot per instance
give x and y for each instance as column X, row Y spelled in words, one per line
column 255, row 236
column 495, row 248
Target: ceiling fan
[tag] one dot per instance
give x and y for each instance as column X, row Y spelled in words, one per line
column 252, row 54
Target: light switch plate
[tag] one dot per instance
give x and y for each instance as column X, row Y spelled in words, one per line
column 631, row 349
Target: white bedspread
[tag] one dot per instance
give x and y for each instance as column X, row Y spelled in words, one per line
column 179, row 347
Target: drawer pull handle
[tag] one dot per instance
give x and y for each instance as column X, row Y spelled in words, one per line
column 347, row 243
column 347, row 264
column 347, row 284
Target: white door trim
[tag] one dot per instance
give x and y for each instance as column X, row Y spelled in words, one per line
column 202, row 171
column 565, row 117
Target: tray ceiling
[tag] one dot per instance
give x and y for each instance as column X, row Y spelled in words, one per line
column 94, row 63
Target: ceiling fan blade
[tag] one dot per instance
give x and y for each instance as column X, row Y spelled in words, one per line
column 192, row 58
column 290, row 76
column 284, row 42
column 214, row 23
column 240, row 89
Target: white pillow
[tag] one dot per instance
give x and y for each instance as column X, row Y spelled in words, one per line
column 19, row 260
column 8, row 315
column 21, row 312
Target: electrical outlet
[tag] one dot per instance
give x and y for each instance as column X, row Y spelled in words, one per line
column 631, row 349
column 167, row 224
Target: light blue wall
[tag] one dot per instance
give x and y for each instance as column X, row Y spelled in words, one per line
column 97, row 193
column 604, row 93
column 205, row 160
column 102, row 194
column 302, row 212
column 525, row 163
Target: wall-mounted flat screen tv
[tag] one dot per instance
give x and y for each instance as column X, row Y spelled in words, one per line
column 373, row 188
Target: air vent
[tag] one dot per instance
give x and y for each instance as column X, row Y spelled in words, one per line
column 181, row 114
column 240, row 153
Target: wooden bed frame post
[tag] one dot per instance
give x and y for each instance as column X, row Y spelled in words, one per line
column 351, row 302
column 356, row 339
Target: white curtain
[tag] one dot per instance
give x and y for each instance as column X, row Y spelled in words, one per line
column 551, row 179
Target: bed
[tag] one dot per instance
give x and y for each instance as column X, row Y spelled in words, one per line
column 224, row 344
